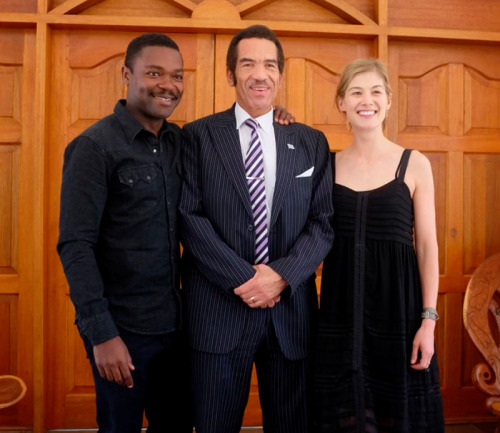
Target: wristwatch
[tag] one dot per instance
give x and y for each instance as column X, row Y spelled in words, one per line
column 430, row 313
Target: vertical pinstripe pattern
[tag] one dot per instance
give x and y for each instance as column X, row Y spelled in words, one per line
column 254, row 168
column 219, row 250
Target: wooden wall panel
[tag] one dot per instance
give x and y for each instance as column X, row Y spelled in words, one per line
column 16, row 253
column 134, row 9
column 9, row 207
column 18, row 6
column 8, row 333
column 448, row 14
column 415, row 93
column 481, row 119
column 482, row 207
column 10, row 103
column 438, row 164
column 437, row 90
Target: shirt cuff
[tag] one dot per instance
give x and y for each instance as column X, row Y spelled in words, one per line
column 98, row 328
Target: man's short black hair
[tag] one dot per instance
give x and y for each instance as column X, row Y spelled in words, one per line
column 259, row 32
column 147, row 40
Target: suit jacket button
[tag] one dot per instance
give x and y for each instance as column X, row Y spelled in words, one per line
column 250, row 227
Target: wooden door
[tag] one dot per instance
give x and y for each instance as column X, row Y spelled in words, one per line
column 21, row 272
column 87, row 82
column 446, row 104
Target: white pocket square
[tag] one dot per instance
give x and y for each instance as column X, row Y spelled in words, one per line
column 307, row 173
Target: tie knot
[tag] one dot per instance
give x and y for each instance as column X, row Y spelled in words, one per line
column 252, row 123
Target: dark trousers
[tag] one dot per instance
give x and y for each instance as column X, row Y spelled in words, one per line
column 221, row 383
column 161, row 387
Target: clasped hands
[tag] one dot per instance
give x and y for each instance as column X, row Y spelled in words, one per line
column 263, row 290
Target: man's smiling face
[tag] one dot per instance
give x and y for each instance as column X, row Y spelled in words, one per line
column 257, row 77
column 155, row 84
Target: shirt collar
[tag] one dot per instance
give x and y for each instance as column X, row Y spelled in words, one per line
column 265, row 121
column 130, row 124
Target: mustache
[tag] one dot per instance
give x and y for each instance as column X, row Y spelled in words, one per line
column 260, row 83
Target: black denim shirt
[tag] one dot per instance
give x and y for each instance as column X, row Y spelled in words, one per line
column 118, row 237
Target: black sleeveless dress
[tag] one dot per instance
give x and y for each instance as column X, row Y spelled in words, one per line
column 371, row 303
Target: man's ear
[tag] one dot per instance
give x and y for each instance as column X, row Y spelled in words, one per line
column 230, row 78
column 125, row 75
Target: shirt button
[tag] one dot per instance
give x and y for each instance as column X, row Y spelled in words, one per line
column 131, row 181
column 250, row 227
column 155, row 150
column 148, row 177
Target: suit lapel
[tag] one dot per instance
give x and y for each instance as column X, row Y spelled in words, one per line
column 285, row 161
column 226, row 141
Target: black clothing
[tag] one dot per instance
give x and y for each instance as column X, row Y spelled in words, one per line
column 118, row 239
column 371, row 302
column 161, row 387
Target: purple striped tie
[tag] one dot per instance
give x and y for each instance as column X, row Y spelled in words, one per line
column 254, row 167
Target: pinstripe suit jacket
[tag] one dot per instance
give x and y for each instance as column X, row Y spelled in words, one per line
column 218, row 238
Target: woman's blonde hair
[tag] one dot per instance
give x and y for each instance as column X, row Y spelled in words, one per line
column 360, row 66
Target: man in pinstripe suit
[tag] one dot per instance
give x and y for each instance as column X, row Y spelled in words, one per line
column 241, row 310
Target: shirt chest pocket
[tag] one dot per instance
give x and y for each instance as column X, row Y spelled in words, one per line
column 138, row 189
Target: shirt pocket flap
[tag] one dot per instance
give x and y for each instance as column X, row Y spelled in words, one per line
column 134, row 176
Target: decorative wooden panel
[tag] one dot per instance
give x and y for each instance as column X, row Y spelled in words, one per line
column 437, row 92
column 154, row 8
column 8, row 334
column 16, row 204
column 18, row 6
column 87, row 67
column 481, row 207
column 415, row 93
column 438, row 164
column 481, row 119
column 448, row 14
column 9, row 208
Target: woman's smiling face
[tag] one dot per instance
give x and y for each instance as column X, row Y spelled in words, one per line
column 366, row 101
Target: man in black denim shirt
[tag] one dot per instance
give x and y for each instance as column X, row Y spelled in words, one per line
column 119, row 246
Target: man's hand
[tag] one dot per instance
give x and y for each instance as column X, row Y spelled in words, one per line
column 114, row 362
column 263, row 289
column 282, row 116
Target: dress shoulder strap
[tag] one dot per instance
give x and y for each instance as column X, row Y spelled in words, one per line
column 403, row 165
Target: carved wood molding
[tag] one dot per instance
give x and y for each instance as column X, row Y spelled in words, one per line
column 12, row 389
column 74, row 6
column 479, row 305
column 339, row 7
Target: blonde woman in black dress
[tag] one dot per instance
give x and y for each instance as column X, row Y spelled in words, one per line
column 376, row 370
